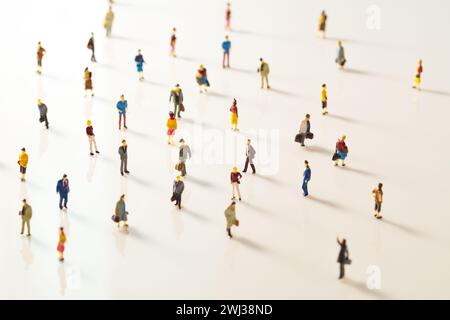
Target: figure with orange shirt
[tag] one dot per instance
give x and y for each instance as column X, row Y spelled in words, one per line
column 23, row 162
column 171, row 127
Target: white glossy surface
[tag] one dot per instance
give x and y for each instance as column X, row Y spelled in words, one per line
column 285, row 246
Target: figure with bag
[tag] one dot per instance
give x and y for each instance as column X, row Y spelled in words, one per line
column 305, row 131
column 176, row 96
column 340, row 56
column 121, row 214
column 177, row 191
column 43, row 110
column 202, row 79
column 341, row 151
column 183, row 154
column 91, row 47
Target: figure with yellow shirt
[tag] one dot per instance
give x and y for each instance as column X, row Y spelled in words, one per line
column 322, row 23
column 23, row 162
column 377, row 194
column 418, row 75
column 324, row 99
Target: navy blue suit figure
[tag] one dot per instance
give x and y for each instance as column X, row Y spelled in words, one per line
column 306, row 178
column 62, row 187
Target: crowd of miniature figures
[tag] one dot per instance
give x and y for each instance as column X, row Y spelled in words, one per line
column 120, row 216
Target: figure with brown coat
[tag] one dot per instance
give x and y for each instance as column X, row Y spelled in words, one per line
column 26, row 214
column 377, row 194
column 40, row 54
column 230, row 215
column 88, row 82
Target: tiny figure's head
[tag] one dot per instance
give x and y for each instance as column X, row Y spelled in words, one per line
column 39, row 101
column 235, row 169
column 89, row 123
column 227, row 37
column 122, row 197
column 181, row 141
column 92, row 34
column 86, row 69
column 307, row 116
column 177, row 178
column 261, row 59
column 380, row 186
column 323, row 12
column 174, row 30
column 171, row 114
column 61, row 229
column 39, row 43
column 124, row 142
column 344, row 137
column 139, row 51
column 64, row 176
column 306, row 163
column 420, row 61
column 324, row 85
column 201, row 67
column 340, row 43
column 233, row 203
column 249, row 142
column 234, row 101
column 177, row 85
column 23, row 149
column 122, row 97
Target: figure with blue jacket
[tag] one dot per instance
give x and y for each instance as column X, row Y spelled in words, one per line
column 122, row 107
column 226, row 46
column 306, row 178
column 139, row 59
column 120, row 213
column 62, row 187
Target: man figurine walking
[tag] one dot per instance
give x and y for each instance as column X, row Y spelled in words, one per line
column 43, row 112
column 377, row 194
column 306, row 178
column 250, row 155
column 91, row 47
column 62, row 187
column 226, row 46
column 264, row 72
column 184, row 154
column 123, row 152
column 178, row 188
column 91, row 138
column 176, row 95
column 26, row 214
column 122, row 107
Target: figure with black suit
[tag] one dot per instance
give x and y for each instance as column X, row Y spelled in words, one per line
column 343, row 257
column 123, row 152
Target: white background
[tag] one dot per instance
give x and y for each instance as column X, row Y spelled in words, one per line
column 285, row 246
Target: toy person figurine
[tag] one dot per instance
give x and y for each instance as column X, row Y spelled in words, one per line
column 43, row 110
column 61, row 244
column 40, row 53
column 91, row 47
column 418, row 75
column 226, row 46
column 322, row 23
column 120, row 213
column 234, row 116
column 202, row 79
column 88, row 82
column 23, row 163
column 340, row 56
column 324, row 99
column 173, row 42
column 91, row 137
column 171, row 127
column 377, row 194
column 235, row 178
column 176, row 95
column 177, row 191
column 341, row 151
column 139, row 59
column 228, row 17
column 264, row 72
column 230, row 216
column 122, row 107
column 107, row 24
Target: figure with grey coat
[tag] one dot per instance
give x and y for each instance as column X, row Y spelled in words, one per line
column 305, row 129
column 178, row 188
column 250, row 155
column 184, row 154
column 123, row 152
